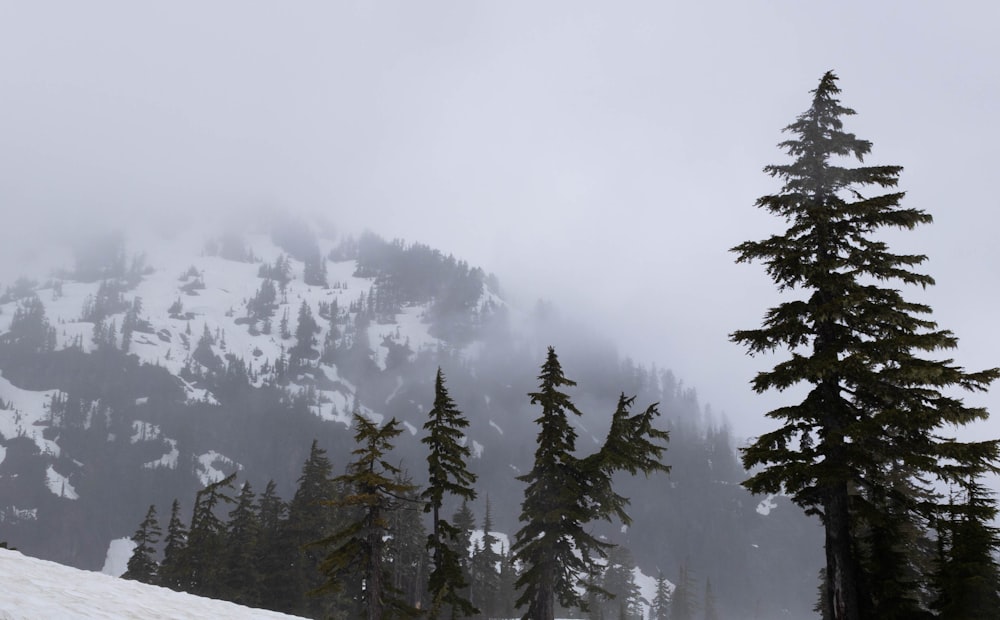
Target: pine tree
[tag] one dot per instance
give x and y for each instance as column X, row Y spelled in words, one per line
column 565, row 493
column 142, row 566
column 310, row 519
column 683, row 600
column 172, row 568
column 660, row 606
column 711, row 613
column 206, row 540
column 968, row 578
column 241, row 578
column 447, row 475
column 305, row 337
column 358, row 548
column 623, row 598
column 876, row 402
column 275, row 554
column 484, row 568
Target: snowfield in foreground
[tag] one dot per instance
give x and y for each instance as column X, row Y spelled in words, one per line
column 34, row 589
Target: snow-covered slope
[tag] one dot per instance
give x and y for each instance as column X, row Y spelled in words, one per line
column 34, row 589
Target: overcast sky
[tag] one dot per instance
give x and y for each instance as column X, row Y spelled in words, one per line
column 602, row 155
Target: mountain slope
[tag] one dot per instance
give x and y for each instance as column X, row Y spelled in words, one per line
column 129, row 379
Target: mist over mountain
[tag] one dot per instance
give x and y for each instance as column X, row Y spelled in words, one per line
column 143, row 368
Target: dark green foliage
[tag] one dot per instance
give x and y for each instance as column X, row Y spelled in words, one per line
column 142, row 566
column 372, row 491
column 171, row 573
column 202, row 570
column 310, row 519
column 241, row 577
column 275, row 553
column 448, row 475
column 565, row 493
column 967, row 577
column 878, row 401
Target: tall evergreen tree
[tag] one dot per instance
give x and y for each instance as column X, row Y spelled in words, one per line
column 310, row 519
column 448, row 475
column 241, row 580
column 275, row 553
column 659, row 608
column 877, row 399
column 968, row 578
column 142, row 566
column 485, row 576
column 172, row 568
column 203, row 567
column 683, row 602
column 306, row 329
column 564, row 493
column 358, row 548
column 711, row 613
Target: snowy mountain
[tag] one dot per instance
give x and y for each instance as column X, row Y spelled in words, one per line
column 140, row 370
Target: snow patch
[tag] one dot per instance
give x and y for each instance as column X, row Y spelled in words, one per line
column 59, row 484
column 477, row 449
column 496, row 426
column 168, row 460
column 38, row 589
column 27, row 413
column 116, row 559
column 208, row 472
column 766, row 506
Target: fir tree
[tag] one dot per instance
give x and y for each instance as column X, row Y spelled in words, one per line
column 968, row 578
column 243, row 535
column 309, row 519
column 172, row 568
column 305, row 337
column 484, row 568
column 142, row 566
column 358, row 548
column 206, row 540
column 565, row 493
column 660, row 605
column 276, row 554
column 683, row 602
column 876, row 401
column 711, row 613
column 447, row 475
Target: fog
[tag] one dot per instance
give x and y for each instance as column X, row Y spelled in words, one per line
column 603, row 156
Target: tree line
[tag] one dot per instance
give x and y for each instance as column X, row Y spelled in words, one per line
column 358, row 544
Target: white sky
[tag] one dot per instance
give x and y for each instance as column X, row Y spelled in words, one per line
column 604, row 155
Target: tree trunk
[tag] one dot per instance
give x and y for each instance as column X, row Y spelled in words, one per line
column 841, row 569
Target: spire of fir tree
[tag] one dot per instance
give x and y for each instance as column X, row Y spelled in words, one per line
column 447, row 475
column 879, row 397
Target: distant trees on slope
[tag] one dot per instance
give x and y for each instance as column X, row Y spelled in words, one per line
column 354, row 545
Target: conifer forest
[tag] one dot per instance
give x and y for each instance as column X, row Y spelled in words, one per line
column 500, row 310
